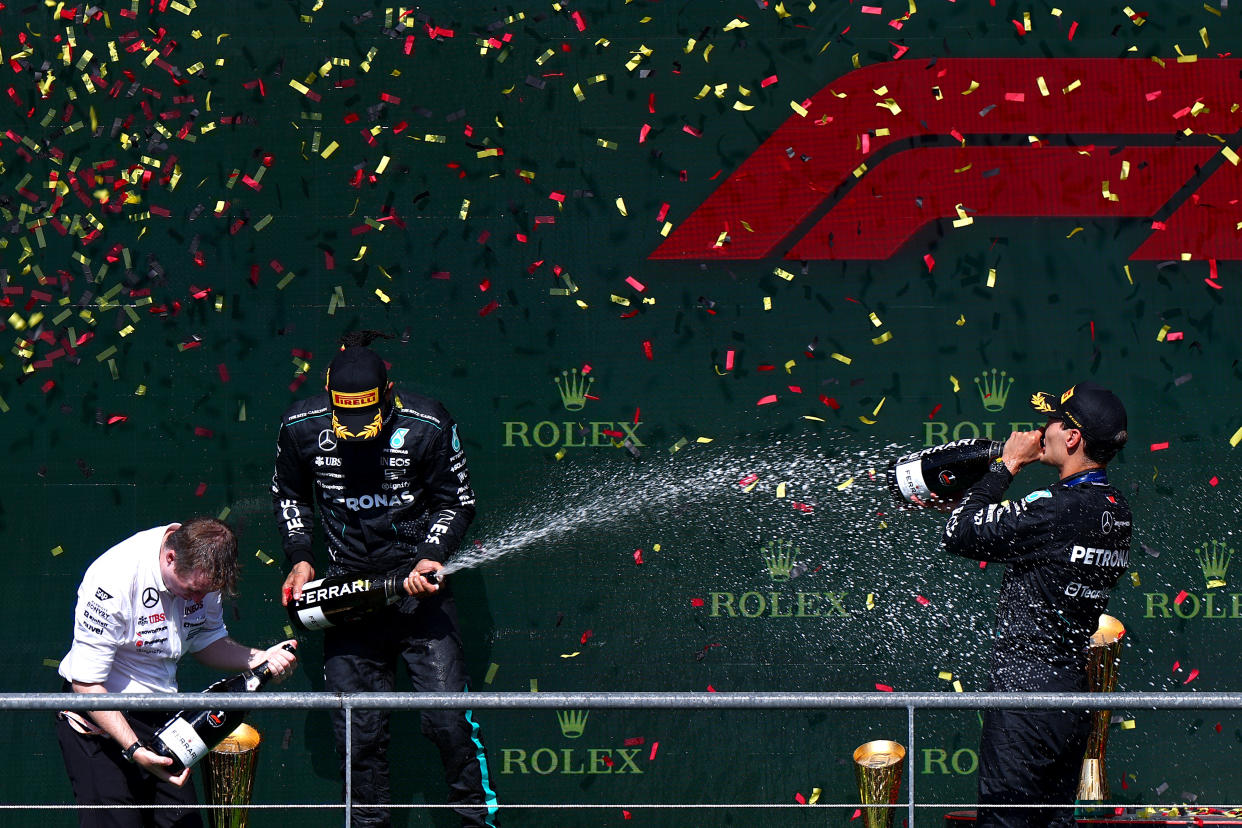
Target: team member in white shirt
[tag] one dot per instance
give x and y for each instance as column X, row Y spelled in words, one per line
column 142, row 605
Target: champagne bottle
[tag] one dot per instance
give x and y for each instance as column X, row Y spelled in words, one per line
column 330, row 602
column 188, row 736
column 943, row 471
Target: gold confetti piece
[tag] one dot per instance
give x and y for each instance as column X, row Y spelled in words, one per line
column 991, row 277
column 1108, row 195
column 784, row 274
column 578, row 93
column 882, row 338
column 1203, row 35
column 465, row 209
column 865, row 421
column 224, row 513
column 751, row 486
column 51, row 662
column 957, row 686
column 707, row 53
column 1135, row 580
column 842, row 358
column 1073, row 232
column 815, row 792
column 956, row 385
column 383, row 297
column 876, row 412
column 843, row 486
column 1164, row 329
column 1129, row 724
column 328, row 150
column 735, row 23
column 780, row 490
column 870, row 600
column 875, row 320
column 767, row 303
column 105, row 353
column 560, row 453
column 789, row 366
column 973, row 86
column 1129, row 278
column 796, row 107
column 289, row 277
column 1075, row 85
column 944, row 675
column 814, row 419
column 859, row 170
column 57, row 550
column 1236, row 438
column 267, row 560
column 961, row 321
column 1043, row 86
column 621, row 206
column 1230, row 155
column 491, row 673
column 612, row 145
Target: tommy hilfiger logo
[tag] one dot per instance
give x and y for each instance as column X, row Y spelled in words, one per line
column 573, row 387
column 572, row 722
column 1214, row 562
column 993, row 390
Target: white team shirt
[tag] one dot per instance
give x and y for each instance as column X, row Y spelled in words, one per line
column 129, row 630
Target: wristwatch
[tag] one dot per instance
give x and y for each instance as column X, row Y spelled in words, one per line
column 128, row 753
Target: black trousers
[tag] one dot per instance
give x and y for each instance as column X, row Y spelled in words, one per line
column 363, row 657
column 1030, row 757
column 101, row 776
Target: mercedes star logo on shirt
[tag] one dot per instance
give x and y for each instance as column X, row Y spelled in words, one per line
column 150, row 597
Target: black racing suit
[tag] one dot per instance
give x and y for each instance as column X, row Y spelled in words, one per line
column 1065, row 547
column 383, row 503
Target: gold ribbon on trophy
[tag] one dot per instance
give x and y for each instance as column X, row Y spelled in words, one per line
column 1103, row 667
column 877, row 767
column 228, row 777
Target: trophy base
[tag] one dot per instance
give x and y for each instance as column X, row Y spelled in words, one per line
column 1093, row 783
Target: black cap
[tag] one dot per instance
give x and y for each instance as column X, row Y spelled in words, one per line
column 357, row 381
column 1089, row 407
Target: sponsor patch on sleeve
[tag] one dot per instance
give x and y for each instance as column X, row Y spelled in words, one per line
column 1034, row 496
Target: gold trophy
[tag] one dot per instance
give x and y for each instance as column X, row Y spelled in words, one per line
column 228, row 777
column 877, row 766
column 1103, row 666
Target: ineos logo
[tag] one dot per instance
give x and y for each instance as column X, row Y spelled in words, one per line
column 150, row 597
column 327, row 440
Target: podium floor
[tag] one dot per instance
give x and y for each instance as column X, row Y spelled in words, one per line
column 963, row 819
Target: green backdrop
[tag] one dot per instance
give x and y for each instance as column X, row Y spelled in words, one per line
column 200, row 199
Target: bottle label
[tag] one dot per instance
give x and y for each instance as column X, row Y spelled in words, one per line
column 184, row 742
column 312, row 618
column 910, row 480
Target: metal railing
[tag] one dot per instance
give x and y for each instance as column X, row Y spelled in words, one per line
column 910, row 702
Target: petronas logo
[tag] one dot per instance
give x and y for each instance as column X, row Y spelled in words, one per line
column 993, row 389
column 780, row 557
column 573, row 387
column 1214, row 562
column 573, row 722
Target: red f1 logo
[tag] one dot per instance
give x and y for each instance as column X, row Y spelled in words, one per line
column 889, row 148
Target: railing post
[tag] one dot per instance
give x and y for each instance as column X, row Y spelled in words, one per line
column 349, row 763
column 911, row 763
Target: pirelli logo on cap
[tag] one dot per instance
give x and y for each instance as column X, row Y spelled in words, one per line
column 357, row 399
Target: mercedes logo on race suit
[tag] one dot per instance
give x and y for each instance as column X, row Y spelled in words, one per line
column 150, row 597
column 1106, row 522
column 327, row 440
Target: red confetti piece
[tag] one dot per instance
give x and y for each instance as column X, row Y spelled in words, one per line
column 830, row 402
column 1073, row 28
column 634, row 283
column 932, row 415
column 801, row 800
column 729, row 359
column 643, row 132
column 696, row 602
column 485, row 285
column 223, row 371
column 1177, row 665
column 983, row 564
column 200, row 431
column 901, row 50
column 632, row 741
column 655, row 746
column 768, row 81
column 1214, row 481
column 922, row 600
column 1021, row 29
column 1194, row 674
column 883, row 688
column 770, row 398
column 587, row 635
column 930, row 261
column 626, row 814
column 578, row 21
column 857, row 814
column 797, row 389
column 638, row 557
column 748, row 479
column 872, row 10
column 488, row 308
column 1159, row 446
column 689, row 130
column 802, row 507
column 711, row 689
column 647, row 349
column 1181, row 596
column 48, row 386
column 201, row 490
column 117, row 418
